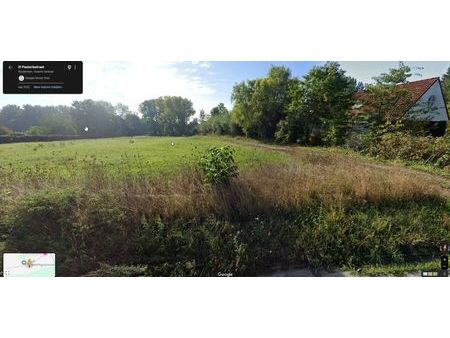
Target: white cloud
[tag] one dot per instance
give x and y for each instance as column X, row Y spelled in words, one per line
column 204, row 65
column 190, row 70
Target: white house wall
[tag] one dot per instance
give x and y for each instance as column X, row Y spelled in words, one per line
column 439, row 113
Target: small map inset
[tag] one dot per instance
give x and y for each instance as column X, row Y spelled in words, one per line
column 29, row 265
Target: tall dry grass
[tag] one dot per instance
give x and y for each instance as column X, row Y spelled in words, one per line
column 324, row 210
column 315, row 180
column 274, row 189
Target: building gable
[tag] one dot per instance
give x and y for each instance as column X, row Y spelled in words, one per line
column 427, row 97
column 431, row 105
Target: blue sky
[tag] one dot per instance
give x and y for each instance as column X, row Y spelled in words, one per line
column 205, row 83
column 222, row 76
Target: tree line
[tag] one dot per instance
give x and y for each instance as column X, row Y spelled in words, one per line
column 318, row 109
column 168, row 115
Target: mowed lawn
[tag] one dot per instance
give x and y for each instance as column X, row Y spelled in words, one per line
column 143, row 155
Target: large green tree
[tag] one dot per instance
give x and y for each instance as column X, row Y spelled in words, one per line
column 243, row 111
column 60, row 124
column 218, row 110
column 11, row 116
column 132, row 125
column 168, row 115
column 52, row 119
column 217, row 122
column 260, row 104
column 150, row 110
column 319, row 105
column 96, row 118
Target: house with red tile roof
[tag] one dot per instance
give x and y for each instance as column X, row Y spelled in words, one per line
column 427, row 99
column 425, row 102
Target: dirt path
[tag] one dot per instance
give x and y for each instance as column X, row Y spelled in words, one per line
column 297, row 151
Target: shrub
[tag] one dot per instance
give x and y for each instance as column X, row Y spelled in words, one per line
column 394, row 142
column 282, row 134
column 84, row 230
column 220, row 124
column 334, row 131
column 353, row 238
column 404, row 146
column 43, row 222
column 37, row 130
column 218, row 165
column 106, row 270
column 217, row 124
column 4, row 130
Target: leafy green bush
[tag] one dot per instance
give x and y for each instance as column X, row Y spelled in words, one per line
column 404, row 146
column 217, row 124
column 37, row 130
column 218, row 165
column 106, row 270
column 373, row 236
column 282, row 134
column 4, row 130
column 220, row 124
column 333, row 130
column 394, row 142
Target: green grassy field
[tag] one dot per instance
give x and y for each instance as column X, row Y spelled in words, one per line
column 147, row 155
column 139, row 206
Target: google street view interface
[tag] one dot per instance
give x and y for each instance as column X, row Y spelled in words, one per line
column 224, row 168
